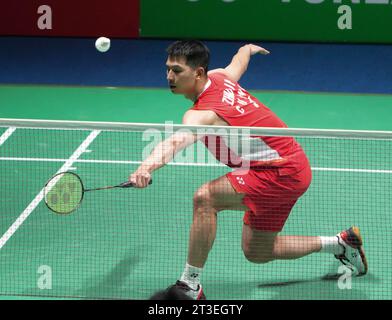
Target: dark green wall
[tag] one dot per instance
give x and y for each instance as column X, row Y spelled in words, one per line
column 288, row 20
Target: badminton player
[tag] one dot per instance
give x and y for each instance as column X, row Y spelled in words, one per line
column 278, row 171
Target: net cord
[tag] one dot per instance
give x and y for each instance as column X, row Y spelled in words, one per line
column 139, row 127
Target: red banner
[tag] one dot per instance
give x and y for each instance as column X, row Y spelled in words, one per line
column 78, row 18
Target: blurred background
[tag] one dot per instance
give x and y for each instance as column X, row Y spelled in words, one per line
column 330, row 64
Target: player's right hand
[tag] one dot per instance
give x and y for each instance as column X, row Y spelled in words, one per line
column 140, row 178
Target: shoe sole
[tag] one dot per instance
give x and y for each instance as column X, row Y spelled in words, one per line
column 354, row 239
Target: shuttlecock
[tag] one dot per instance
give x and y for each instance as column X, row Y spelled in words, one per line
column 102, row 44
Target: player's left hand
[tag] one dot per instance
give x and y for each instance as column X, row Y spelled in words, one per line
column 254, row 49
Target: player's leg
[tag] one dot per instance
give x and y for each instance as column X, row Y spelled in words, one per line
column 209, row 199
column 264, row 246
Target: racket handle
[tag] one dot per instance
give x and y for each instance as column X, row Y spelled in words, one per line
column 130, row 184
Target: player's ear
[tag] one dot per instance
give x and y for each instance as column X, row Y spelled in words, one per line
column 200, row 73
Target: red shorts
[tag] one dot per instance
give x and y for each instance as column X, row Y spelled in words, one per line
column 269, row 195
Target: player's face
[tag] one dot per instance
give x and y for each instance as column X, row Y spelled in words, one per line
column 181, row 77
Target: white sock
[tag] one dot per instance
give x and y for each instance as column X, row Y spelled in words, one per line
column 331, row 245
column 191, row 276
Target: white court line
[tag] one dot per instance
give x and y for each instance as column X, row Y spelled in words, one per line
column 185, row 164
column 352, row 170
column 68, row 163
column 6, row 134
column 188, row 164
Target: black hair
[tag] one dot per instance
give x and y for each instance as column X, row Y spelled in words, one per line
column 196, row 53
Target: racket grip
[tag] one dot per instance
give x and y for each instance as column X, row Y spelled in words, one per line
column 130, row 184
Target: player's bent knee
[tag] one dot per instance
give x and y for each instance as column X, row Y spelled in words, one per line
column 200, row 197
column 256, row 257
column 203, row 197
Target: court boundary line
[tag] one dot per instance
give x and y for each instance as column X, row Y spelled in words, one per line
column 6, row 134
column 38, row 198
column 184, row 164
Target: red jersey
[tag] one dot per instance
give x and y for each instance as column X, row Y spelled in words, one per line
column 237, row 107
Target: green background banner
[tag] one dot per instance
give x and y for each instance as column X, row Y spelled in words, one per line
column 368, row 21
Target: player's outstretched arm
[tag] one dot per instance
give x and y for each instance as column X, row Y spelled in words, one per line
column 165, row 151
column 162, row 154
column 239, row 63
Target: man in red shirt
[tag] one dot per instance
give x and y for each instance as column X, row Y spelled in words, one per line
column 276, row 174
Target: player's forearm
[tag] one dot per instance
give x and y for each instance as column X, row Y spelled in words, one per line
column 240, row 61
column 165, row 151
column 162, row 154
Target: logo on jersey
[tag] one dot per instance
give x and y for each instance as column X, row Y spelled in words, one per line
column 240, row 180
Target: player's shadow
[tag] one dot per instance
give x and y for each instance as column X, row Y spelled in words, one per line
column 323, row 288
column 111, row 286
column 106, row 287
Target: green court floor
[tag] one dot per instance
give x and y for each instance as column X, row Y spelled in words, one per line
column 127, row 244
column 297, row 109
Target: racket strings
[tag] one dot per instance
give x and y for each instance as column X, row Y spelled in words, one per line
column 64, row 192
